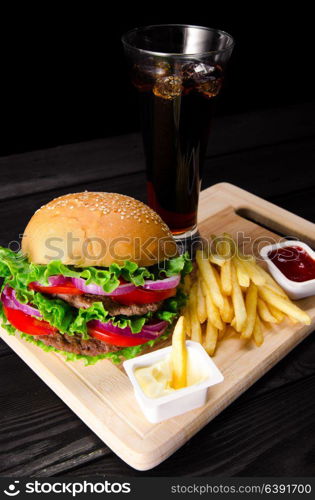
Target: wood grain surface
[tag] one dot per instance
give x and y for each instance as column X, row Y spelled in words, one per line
column 270, row 153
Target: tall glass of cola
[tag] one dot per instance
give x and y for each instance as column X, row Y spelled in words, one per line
column 178, row 71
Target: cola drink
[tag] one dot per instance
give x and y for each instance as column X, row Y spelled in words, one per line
column 176, row 106
column 178, row 71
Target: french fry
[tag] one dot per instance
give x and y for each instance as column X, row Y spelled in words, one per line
column 223, row 248
column 225, row 245
column 276, row 290
column 253, row 272
column 264, row 312
column 201, row 303
column 238, row 303
column 186, row 314
column 226, row 278
column 284, row 306
column 216, row 259
column 179, row 355
column 196, row 334
column 271, row 283
column 213, row 312
column 206, row 271
column 251, row 308
column 257, row 333
column 279, row 315
column 217, row 277
column 227, row 311
column 211, row 338
column 187, row 284
column 293, row 320
column 233, row 323
column 241, row 272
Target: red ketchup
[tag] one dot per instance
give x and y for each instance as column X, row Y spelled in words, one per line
column 294, row 262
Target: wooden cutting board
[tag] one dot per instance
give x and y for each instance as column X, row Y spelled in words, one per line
column 102, row 396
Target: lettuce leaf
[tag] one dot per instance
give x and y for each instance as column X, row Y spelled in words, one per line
column 57, row 312
column 171, row 307
column 97, row 311
column 130, row 271
column 178, row 265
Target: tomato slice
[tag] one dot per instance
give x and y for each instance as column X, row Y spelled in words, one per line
column 67, row 288
column 141, row 296
column 137, row 296
column 114, row 338
column 28, row 324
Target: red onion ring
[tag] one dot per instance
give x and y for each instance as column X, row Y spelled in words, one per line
column 152, row 329
column 80, row 283
column 155, row 326
column 6, row 298
column 146, row 332
column 56, row 280
column 9, row 299
column 165, row 284
column 94, row 289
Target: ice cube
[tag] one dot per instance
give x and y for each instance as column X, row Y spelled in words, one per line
column 210, row 87
column 193, row 71
column 161, row 68
column 144, row 75
column 168, row 87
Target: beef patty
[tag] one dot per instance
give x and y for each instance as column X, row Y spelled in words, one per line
column 75, row 344
column 91, row 347
column 114, row 308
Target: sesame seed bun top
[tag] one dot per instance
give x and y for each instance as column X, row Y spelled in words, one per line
column 97, row 229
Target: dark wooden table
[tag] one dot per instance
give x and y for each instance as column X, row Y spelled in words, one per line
column 269, row 430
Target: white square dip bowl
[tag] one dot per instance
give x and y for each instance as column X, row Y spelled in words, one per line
column 295, row 289
column 180, row 400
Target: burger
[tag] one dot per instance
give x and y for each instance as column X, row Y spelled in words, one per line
column 98, row 276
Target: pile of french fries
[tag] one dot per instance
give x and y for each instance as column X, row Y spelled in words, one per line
column 231, row 293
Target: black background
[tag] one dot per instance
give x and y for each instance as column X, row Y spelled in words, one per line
column 64, row 77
